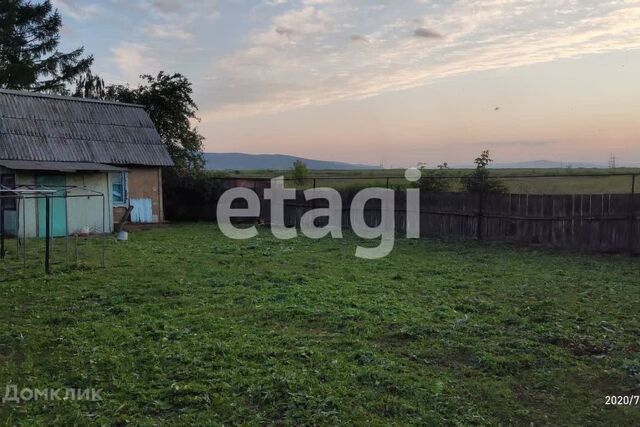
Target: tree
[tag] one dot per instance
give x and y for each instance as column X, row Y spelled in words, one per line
column 299, row 171
column 89, row 85
column 480, row 181
column 167, row 99
column 484, row 160
column 29, row 56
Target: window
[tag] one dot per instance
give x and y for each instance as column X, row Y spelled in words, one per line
column 119, row 188
column 8, row 181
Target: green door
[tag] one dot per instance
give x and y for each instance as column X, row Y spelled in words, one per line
column 58, row 206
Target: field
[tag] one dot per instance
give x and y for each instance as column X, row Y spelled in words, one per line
column 186, row 326
column 538, row 181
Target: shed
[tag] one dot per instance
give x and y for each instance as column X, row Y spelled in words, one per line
column 58, row 142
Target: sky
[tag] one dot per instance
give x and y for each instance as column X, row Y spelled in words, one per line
column 395, row 82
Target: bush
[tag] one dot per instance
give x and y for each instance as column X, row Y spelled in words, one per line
column 299, row 172
column 480, row 180
column 433, row 182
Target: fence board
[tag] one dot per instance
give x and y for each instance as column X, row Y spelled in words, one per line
column 600, row 223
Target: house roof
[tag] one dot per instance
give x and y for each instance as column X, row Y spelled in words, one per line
column 47, row 128
column 59, row 166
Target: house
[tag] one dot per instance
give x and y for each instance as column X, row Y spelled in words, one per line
column 79, row 147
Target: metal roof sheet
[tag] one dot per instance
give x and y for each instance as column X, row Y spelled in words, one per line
column 47, row 128
column 59, row 166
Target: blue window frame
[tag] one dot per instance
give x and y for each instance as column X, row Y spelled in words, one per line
column 119, row 188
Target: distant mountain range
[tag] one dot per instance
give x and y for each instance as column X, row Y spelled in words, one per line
column 549, row 164
column 545, row 164
column 244, row 162
column 241, row 161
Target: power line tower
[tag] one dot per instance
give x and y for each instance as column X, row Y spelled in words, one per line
column 612, row 161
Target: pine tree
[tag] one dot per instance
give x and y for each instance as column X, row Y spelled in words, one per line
column 29, row 56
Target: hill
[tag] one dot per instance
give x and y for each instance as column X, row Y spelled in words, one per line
column 241, row 161
column 545, row 164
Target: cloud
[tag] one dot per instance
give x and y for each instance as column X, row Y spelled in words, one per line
column 318, row 66
column 309, row 52
column 359, row 38
column 515, row 143
column 307, row 20
column 167, row 31
column 284, row 31
column 167, row 6
column 173, row 11
column 427, row 33
column 290, row 27
column 134, row 59
column 72, row 9
column 318, row 2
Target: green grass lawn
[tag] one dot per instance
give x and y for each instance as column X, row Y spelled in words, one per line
column 186, row 326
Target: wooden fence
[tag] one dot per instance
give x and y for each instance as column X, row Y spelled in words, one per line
column 596, row 223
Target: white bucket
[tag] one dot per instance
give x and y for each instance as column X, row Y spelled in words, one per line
column 123, row 236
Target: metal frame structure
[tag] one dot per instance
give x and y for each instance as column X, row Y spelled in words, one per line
column 21, row 193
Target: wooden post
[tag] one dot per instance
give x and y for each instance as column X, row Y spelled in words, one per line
column 480, row 209
column 47, row 208
column 2, row 251
column 387, row 182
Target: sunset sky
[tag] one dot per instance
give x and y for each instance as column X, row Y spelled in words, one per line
column 394, row 82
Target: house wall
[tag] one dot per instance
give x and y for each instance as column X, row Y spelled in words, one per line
column 81, row 211
column 144, row 183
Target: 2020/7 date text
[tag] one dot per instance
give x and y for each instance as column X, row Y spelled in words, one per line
column 622, row 400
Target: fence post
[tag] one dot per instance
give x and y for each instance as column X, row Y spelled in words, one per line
column 47, row 208
column 632, row 217
column 480, row 208
column 387, row 182
column 2, row 252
